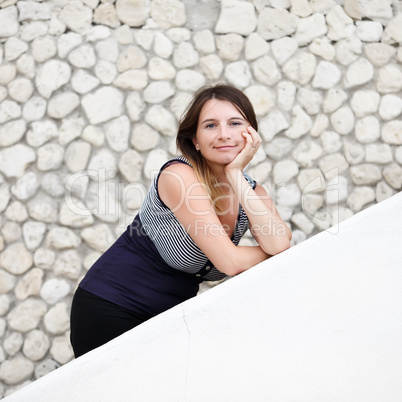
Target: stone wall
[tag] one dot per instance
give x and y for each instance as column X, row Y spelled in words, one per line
column 90, row 96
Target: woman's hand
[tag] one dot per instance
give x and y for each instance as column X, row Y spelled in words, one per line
column 253, row 141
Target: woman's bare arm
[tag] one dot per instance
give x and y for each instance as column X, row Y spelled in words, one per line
column 180, row 190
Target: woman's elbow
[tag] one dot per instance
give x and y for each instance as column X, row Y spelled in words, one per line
column 278, row 246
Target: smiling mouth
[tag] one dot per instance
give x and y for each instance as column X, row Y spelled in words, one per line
column 224, row 147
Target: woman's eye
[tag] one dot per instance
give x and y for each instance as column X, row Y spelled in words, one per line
column 211, row 125
column 236, row 123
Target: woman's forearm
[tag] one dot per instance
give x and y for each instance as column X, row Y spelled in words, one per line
column 267, row 227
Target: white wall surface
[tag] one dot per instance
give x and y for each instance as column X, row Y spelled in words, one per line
column 319, row 322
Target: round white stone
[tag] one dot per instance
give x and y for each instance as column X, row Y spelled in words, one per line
column 163, row 46
column 34, row 109
column 359, row 73
column 7, row 73
column 134, row 14
column 390, row 107
column 322, row 47
column 310, row 28
column 117, row 133
column 204, row 41
column 365, row 102
column 20, row 90
column 188, row 80
column 54, row 290
column 26, row 186
column 185, row 56
column 7, row 282
column 272, row 124
column 13, row 48
column 378, row 153
column 57, row 319
column 94, row 135
column 12, row 132
column 288, row 196
column 278, row 148
column 360, row 197
column 33, row 233
column 61, row 349
column 160, row 69
column 212, row 66
column 62, row 104
column 393, row 176
column 155, row 160
column 98, row 237
column 340, row 25
column 15, row 159
column 16, row 370
column 367, row 129
column 379, row 54
column 300, row 125
column 43, row 208
column 76, row 16
column 103, row 105
column 77, row 155
column 36, row 345
column 162, row 120
column 75, row 214
column 392, row 132
column 83, row 82
column 168, row 13
column 327, row 75
column 158, row 92
column 133, row 80
column 11, row 232
column 144, row 137
column 130, row 165
column 43, row 48
column 82, row 57
column 331, row 142
column 68, row 264
column 29, row 284
column 389, row 79
column 51, row 76
column 50, row 157
column 284, row 171
column 133, row 57
column 306, row 153
column 343, row 120
column 26, row 315
column 236, row 17
column 311, row 181
column 229, row 46
column 16, row 212
column 300, row 68
column 238, row 74
column 9, row 110
column 266, row 71
column 333, row 165
column 60, row 238
column 333, row 100
column 275, row 23
column 9, row 24
column 365, row 174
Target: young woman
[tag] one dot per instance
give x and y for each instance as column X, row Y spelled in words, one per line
column 188, row 227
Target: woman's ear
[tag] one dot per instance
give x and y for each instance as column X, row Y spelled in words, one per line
column 197, row 147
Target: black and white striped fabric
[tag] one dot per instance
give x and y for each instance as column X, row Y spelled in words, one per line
column 171, row 239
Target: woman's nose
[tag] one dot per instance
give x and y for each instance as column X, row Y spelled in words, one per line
column 224, row 133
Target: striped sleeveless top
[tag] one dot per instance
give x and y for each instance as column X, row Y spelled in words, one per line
column 172, row 241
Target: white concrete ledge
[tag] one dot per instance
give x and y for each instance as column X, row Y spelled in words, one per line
column 320, row 322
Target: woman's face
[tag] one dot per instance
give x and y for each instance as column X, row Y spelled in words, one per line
column 219, row 133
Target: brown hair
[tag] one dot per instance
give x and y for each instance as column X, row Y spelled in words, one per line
column 188, row 131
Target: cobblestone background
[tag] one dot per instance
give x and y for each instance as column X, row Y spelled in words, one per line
column 90, row 97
